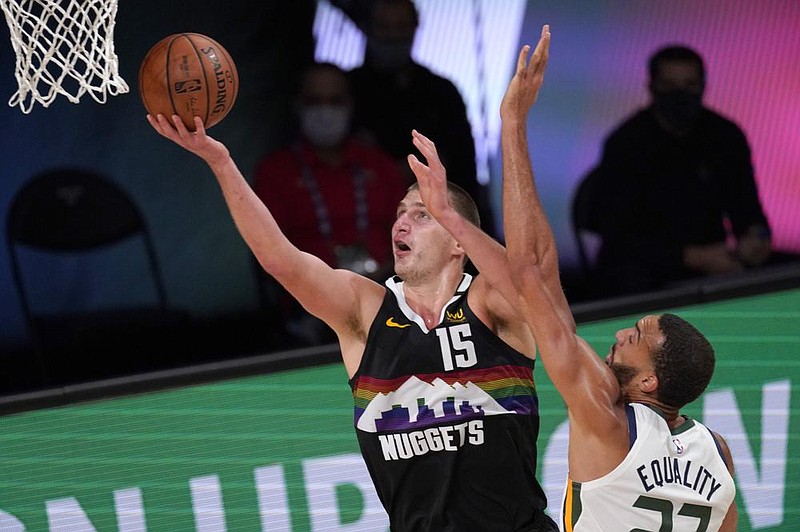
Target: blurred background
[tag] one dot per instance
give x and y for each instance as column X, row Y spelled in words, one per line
column 203, row 359
column 219, row 308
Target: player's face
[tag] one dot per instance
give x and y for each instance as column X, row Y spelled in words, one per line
column 630, row 357
column 421, row 246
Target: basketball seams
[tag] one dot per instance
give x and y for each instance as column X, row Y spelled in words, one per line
column 146, row 78
column 185, row 71
column 235, row 77
column 168, row 71
column 202, row 63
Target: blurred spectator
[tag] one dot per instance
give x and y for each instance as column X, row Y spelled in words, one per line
column 675, row 196
column 394, row 94
column 334, row 196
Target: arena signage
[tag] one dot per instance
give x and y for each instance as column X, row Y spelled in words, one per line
column 278, row 452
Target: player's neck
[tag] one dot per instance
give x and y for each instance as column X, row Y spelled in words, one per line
column 670, row 414
column 427, row 297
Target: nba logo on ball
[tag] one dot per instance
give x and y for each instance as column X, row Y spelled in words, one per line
column 188, row 86
column 189, row 75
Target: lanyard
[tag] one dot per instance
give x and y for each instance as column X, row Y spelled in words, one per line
column 321, row 208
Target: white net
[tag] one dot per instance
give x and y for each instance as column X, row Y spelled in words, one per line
column 63, row 47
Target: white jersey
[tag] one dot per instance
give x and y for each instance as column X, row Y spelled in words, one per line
column 669, row 480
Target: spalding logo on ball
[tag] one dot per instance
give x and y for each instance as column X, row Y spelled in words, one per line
column 189, row 75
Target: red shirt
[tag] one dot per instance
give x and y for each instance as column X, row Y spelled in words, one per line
column 280, row 184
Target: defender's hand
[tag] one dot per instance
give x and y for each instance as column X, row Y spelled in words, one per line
column 523, row 89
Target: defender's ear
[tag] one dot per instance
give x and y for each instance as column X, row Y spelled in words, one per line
column 649, row 383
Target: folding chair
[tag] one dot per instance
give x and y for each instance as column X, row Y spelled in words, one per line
column 65, row 215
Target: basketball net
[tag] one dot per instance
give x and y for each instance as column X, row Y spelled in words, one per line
column 63, row 47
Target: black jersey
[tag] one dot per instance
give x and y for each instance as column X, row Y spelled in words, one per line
column 447, row 421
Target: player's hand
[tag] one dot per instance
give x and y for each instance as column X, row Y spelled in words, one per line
column 523, row 89
column 210, row 150
column 432, row 178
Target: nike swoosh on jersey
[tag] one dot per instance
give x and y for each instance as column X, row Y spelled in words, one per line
column 391, row 323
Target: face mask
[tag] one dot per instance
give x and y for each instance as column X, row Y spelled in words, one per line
column 678, row 108
column 325, row 126
column 388, row 55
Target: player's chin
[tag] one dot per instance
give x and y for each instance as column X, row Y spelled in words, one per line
column 402, row 265
column 399, row 267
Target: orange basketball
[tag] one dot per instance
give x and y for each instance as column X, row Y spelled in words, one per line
column 189, row 75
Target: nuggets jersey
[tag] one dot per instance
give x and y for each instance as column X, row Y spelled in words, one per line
column 447, row 421
column 670, row 480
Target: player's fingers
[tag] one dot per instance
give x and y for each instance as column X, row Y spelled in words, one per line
column 423, row 139
column 199, row 127
column 542, row 51
column 414, row 163
column 155, row 125
column 420, row 135
column 180, row 127
column 161, row 125
column 419, row 140
column 426, row 146
column 545, row 45
column 432, row 156
column 522, row 59
column 153, row 122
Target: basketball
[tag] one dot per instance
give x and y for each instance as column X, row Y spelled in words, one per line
column 189, row 75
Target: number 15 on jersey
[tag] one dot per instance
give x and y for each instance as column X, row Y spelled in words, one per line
column 457, row 349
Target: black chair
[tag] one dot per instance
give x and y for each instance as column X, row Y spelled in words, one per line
column 68, row 213
column 585, row 223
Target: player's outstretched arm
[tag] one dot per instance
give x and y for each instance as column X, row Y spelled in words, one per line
column 252, row 218
column 580, row 376
column 335, row 296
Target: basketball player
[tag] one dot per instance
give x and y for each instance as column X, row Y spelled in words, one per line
column 635, row 463
column 440, row 364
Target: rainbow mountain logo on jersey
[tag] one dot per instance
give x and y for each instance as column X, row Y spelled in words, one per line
column 418, row 401
column 456, row 317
